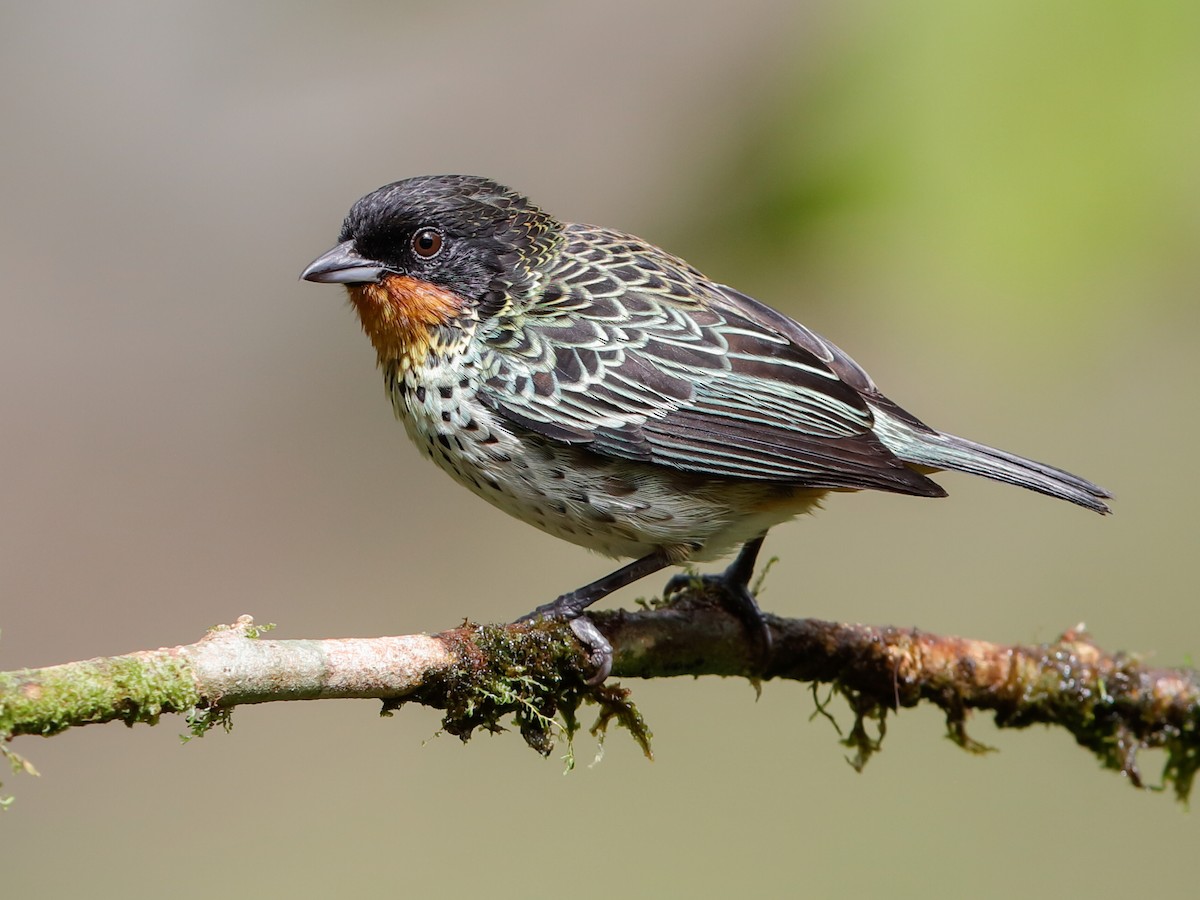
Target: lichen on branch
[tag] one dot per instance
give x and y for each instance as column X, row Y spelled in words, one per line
column 536, row 676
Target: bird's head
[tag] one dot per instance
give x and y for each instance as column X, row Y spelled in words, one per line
column 424, row 253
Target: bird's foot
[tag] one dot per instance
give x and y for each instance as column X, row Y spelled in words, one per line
column 732, row 589
column 565, row 609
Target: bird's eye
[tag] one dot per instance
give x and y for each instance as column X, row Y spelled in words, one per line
column 427, row 242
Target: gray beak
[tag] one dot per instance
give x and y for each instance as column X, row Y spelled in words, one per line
column 343, row 265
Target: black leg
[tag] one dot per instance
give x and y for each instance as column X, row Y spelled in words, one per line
column 741, row 570
column 570, row 606
column 733, row 587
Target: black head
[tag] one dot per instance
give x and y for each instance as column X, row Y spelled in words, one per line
column 457, row 231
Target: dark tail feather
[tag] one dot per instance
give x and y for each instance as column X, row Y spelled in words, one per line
column 945, row 451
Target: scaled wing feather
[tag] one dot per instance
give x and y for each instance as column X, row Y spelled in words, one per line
column 635, row 355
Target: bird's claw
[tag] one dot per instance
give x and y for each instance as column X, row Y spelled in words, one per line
column 601, row 655
column 600, row 651
column 679, row 582
column 733, row 594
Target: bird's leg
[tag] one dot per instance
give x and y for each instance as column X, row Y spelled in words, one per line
column 570, row 607
column 733, row 587
column 572, row 604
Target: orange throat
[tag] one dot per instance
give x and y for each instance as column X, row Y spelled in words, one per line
column 400, row 315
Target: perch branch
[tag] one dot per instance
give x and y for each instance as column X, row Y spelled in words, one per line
column 1112, row 704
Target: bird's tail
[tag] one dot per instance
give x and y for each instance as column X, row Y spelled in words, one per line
column 926, row 447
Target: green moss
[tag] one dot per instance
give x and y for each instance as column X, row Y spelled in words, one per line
column 615, row 706
column 534, row 676
column 202, row 720
column 1183, row 760
column 246, row 626
column 18, row 764
column 859, row 739
column 130, row 689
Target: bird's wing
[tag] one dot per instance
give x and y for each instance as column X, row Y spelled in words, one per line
column 633, row 354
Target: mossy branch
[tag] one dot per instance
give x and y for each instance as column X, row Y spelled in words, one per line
column 1113, row 704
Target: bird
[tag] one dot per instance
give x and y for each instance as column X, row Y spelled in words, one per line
column 599, row 388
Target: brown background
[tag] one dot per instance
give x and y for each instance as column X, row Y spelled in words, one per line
column 994, row 207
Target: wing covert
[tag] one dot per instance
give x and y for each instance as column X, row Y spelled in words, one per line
column 635, row 355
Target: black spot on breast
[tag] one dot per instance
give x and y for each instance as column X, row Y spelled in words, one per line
column 446, row 392
column 420, row 393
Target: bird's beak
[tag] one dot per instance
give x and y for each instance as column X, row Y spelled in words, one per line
column 344, row 265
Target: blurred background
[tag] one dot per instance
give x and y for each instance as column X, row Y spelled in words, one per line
column 993, row 206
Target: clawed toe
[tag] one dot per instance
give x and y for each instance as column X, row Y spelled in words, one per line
column 737, row 599
column 678, row 582
column 601, row 655
column 600, row 651
column 733, row 588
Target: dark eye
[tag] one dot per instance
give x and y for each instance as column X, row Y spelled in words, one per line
column 427, row 242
